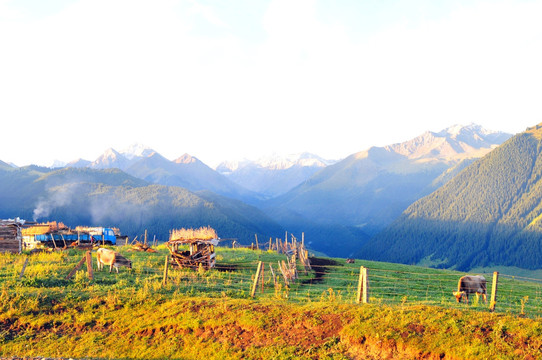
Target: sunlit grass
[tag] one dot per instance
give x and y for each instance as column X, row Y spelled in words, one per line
column 196, row 314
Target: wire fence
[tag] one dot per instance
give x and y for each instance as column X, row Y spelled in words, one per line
column 235, row 276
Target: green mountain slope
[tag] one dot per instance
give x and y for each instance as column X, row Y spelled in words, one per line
column 489, row 214
column 83, row 196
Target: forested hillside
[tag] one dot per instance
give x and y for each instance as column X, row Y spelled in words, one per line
column 490, row 214
column 113, row 198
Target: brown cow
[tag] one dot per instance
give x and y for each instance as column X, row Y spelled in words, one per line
column 111, row 258
column 471, row 284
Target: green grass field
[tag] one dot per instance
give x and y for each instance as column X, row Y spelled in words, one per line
column 233, row 277
column 199, row 313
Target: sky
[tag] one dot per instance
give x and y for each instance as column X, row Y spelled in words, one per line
column 226, row 80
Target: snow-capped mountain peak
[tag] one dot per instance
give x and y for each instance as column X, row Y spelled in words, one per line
column 185, row 159
column 58, row 164
column 227, row 167
column 110, row 153
column 137, row 150
column 453, row 142
column 110, row 158
column 278, row 162
column 275, row 162
column 275, row 174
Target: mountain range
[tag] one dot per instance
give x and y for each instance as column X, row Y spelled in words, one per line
column 186, row 171
column 339, row 205
column 369, row 189
column 249, row 181
column 488, row 215
column 274, row 175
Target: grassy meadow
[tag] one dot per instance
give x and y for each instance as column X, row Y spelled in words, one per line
column 210, row 314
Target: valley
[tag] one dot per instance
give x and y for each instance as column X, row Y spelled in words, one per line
column 346, row 202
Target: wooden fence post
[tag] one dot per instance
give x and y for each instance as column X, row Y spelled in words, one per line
column 166, row 264
column 24, row 268
column 256, row 278
column 257, row 245
column 360, row 285
column 77, row 267
column 363, row 287
column 493, row 301
column 88, row 257
column 64, row 241
column 284, row 271
column 53, row 238
column 263, row 278
column 273, row 273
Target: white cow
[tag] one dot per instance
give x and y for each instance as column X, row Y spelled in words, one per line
column 111, row 258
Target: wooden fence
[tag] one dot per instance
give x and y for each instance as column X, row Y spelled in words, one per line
column 325, row 280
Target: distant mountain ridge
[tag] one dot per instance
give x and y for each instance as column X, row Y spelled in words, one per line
column 371, row 188
column 186, row 171
column 454, row 143
column 112, row 158
column 276, row 162
column 487, row 215
column 274, row 175
column 250, row 181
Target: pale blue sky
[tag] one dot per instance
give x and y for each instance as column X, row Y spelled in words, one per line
column 223, row 80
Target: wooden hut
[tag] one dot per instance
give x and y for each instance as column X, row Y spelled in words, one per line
column 11, row 239
column 29, row 235
column 201, row 248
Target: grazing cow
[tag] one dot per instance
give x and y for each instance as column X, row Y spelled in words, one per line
column 470, row 284
column 111, row 258
column 350, row 261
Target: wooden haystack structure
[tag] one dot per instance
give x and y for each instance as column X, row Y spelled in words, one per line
column 201, row 251
column 11, row 239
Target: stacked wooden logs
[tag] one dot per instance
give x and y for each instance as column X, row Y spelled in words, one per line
column 10, row 238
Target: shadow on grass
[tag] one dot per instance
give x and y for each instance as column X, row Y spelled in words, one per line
column 320, row 269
